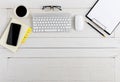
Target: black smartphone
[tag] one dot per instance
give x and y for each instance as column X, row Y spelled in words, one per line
column 13, row 34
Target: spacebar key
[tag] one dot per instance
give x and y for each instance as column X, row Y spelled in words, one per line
column 50, row 30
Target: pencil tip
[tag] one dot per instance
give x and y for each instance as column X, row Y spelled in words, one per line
column 104, row 36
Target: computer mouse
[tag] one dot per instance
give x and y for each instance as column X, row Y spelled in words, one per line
column 79, row 23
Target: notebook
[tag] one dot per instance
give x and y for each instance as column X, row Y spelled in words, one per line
column 106, row 14
column 24, row 33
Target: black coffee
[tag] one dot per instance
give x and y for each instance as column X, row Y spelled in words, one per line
column 21, row 11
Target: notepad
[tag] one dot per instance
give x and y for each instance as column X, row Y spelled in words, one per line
column 24, row 33
column 106, row 14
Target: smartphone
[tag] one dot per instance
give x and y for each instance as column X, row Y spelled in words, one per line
column 13, row 34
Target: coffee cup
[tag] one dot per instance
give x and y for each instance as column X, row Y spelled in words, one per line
column 21, row 11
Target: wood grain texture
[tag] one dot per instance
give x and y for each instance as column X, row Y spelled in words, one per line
column 117, row 71
column 40, row 3
column 72, row 42
column 62, row 53
column 60, row 57
column 57, row 69
column 3, row 69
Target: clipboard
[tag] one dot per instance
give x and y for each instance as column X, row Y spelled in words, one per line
column 110, row 21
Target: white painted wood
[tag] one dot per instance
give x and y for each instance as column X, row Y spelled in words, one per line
column 117, row 70
column 3, row 19
column 61, row 70
column 60, row 57
column 62, row 53
column 3, row 69
column 39, row 3
column 71, row 42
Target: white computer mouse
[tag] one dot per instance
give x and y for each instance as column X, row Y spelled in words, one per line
column 79, row 23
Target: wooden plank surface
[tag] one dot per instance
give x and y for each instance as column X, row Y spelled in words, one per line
column 62, row 53
column 3, row 69
column 39, row 3
column 61, row 69
column 71, row 42
column 59, row 57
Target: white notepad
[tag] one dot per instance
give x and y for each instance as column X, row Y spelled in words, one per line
column 106, row 14
column 23, row 31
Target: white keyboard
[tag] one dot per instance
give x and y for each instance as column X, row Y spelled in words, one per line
column 52, row 22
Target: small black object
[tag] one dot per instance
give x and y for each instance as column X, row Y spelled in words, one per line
column 52, row 7
column 13, row 34
column 21, row 11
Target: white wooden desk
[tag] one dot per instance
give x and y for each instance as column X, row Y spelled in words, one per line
column 60, row 57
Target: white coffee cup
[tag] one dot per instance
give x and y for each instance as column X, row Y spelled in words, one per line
column 21, row 11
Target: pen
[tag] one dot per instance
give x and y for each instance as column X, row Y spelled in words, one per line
column 100, row 27
column 95, row 29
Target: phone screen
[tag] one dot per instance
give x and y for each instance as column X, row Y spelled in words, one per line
column 13, row 34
